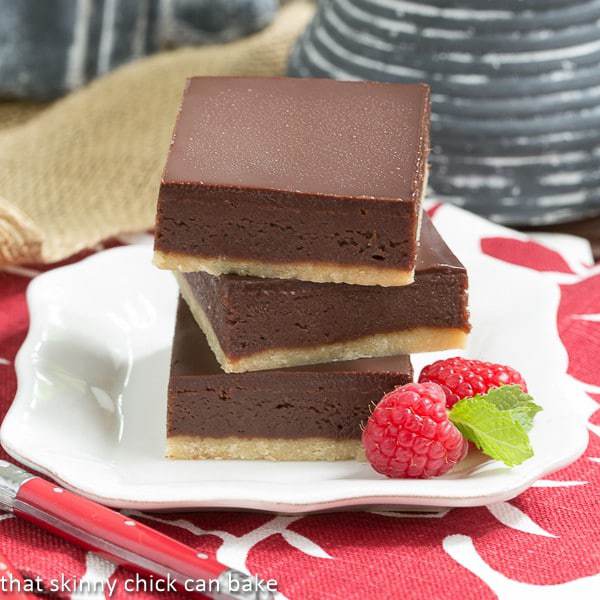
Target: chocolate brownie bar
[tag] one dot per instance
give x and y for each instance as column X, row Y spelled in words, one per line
column 307, row 179
column 254, row 323
column 301, row 413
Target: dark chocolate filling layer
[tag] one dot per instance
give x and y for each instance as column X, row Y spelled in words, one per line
column 279, row 227
column 327, row 400
column 251, row 314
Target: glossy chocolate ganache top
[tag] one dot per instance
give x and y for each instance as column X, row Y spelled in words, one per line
column 311, row 136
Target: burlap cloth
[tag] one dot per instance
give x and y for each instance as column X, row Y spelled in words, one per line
column 88, row 167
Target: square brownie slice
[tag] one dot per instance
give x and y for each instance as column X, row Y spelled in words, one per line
column 300, row 413
column 307, row 179
column 253, row 323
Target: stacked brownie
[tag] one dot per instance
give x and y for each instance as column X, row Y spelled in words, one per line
column 290, row 213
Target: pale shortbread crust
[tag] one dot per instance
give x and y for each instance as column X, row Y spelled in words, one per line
column 236, row 448
column 410, row 341
column 321, row 272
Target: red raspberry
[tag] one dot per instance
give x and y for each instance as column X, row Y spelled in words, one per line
column 409, row 434
column 463, row 378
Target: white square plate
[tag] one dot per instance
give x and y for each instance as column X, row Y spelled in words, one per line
column 91, row 401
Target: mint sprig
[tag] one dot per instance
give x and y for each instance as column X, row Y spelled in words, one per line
column 497, row 423
column 520, row 405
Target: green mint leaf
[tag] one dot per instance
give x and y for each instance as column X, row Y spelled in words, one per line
column 492, row 430
column 513, row 400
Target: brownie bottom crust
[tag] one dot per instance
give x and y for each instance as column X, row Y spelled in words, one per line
column 317, row 272
column 408, row 341
column 238, row 448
